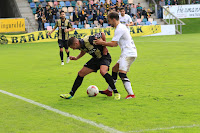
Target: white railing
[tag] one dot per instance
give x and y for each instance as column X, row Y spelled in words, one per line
column 174, row 20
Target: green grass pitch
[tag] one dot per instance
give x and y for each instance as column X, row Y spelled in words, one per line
column 165, row 78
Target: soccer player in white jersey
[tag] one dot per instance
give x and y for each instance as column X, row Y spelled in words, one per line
column 128, row 55
column 125, row 18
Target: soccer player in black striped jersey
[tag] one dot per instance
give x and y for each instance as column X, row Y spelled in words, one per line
column 101, row 59
column 63, row 34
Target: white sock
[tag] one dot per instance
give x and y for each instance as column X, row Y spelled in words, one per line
column 109, row 88
column 128, row 87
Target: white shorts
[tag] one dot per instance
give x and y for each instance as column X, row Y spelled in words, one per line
column 125, row 63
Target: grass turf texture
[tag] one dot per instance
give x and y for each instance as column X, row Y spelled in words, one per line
column 165, row 78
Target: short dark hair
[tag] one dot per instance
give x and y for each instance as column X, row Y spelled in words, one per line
column 122, row 9
column 61, row 11
column 71, row 41
column 113, row 15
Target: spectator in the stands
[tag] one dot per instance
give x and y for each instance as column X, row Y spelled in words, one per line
column 48, row 6
column 122, row 4
column 76, row 18
column 107, row 6
column 58, row 14
column 46, row 12
column 59, row 6
column 117, row 5
column 144, row 12
column 94, row 13
column 51, row 16
column 100, row 18
column 133, row 10
column 160, row 11
column 102, row 9
column 105, row 16
column 82, row 16
column 149, row 12
column 55, row 10
column 39, row 16
column 175, row 2
column 127, row 9
column 78, row 5
column 139, row 8
column 112, row 5
column 168, row 2
column 193, row 2
column 138, row 14
column 134, row 19
column 39, row 8
column 44, row 20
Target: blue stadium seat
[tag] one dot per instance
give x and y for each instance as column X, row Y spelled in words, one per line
column 114, row 1
column 142, row 23
column 67, row 17
column 62, row 3
column 52, row 24
column 67, row 3
column 34, row 10
column 80, row 26
column 105, row 25
column 154, row 23
column 45, row 25
column 41, row 0
column 148, row 23
column 37, row 4
column 44, row 4
column 73, row 3
column 125, row 2
column 102, row 1
column 75, row 26
column 86, row 2
column 47, row 0
column 93, row 25
column 29, row 1
column 32, row 5
column 144, row 20
column 90, row 22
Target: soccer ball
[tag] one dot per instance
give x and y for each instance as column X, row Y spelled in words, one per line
column 92, row 91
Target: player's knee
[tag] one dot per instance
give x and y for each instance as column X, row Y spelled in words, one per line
column 81, row 73
column 122, row 75
column 61, row 50
column 103, row 72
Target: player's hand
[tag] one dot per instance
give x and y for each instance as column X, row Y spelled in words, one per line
column 49, row 33
column 98, row 42
column 66, row 30
column 72, row 58
column 127, row 25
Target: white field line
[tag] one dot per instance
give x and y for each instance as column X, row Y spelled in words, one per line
column 101, row 126
column 166, row 128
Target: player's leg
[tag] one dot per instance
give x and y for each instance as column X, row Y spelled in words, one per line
column 109, row 80
column 109, row 90
column 77, row 83
column 60, row 43
column 67, row 51
column 124, row 65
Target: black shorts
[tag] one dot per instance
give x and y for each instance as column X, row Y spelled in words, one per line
column 63, row 43
column 95, row 63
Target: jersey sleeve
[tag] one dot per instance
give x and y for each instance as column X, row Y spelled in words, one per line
column 129, row 19
column 56, row 25
column 117, row 35
column 69, row 25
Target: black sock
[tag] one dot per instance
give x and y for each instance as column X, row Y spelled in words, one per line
column 61, row 56
column 110, row 82
column 114, row 75
column 77, row 83
column 67, row 54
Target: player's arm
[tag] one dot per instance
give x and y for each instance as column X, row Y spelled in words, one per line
column 105, row 50
column 56, row 25
column 130, row 22
column 81, row 54
column 69, row 28
column 109, row 44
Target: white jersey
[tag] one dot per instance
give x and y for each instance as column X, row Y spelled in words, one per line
column 126, row 19
column 125, row 41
